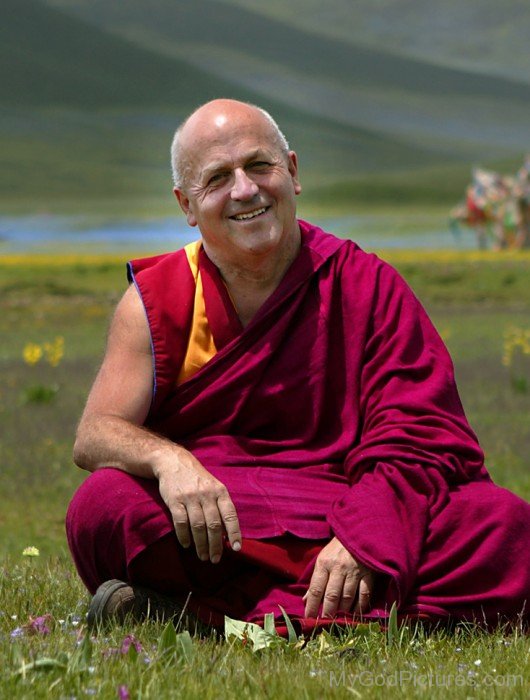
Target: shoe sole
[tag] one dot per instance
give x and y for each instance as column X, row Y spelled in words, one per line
column 96, row 611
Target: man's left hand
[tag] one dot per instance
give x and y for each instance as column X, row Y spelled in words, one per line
column 338, row 582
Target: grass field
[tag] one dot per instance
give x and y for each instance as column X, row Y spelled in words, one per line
column 474, row 299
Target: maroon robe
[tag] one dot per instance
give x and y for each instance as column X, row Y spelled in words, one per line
column 334, row 412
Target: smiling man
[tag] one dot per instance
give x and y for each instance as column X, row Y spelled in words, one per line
column 276, row 423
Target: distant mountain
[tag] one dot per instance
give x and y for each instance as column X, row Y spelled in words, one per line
column 457, row 112
column 92, row 90
column 486, row 36
column 48, row 57
column 51, row 59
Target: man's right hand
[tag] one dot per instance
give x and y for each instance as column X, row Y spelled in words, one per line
column 200, row 506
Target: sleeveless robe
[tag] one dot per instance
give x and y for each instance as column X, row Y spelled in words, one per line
column 333, row 413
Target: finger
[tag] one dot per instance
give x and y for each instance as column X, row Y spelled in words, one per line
column 349, row 591
column 315, row 592
column 181, row 524
column 333, row 594
column 214, row 531
column 366, row 586
column 230, row 521
column 198, row 531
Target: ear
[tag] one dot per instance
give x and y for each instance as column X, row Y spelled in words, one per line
column 185, row 206
column 292, row 161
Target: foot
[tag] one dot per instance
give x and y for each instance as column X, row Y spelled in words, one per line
column 116, row 601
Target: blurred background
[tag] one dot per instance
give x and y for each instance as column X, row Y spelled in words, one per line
column 388, row 103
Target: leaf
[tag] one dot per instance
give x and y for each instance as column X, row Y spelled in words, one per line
column 248, row 632
column 324, row 643
column 268, row 624
column 292, row 636
column 167, row 642
column 185, row 642
column 258, row 637
column 366, row 629
column 172, row 644
column 235, row 628
column 392, row 633
column 132, row 653
column 63, row 657
column 42, row 664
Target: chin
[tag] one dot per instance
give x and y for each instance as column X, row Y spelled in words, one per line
column 259, row 241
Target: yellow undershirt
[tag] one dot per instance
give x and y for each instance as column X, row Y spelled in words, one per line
column 201, row 347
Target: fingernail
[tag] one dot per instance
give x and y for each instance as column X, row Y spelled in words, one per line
column 236, row 546
column 216, row 559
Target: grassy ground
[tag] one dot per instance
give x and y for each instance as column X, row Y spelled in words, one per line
column 473, row 299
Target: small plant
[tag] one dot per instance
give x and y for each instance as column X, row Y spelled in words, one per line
column 516, row 346
column 39, row 393
column 33, row 353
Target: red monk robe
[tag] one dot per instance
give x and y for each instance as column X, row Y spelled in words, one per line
column 334, row 412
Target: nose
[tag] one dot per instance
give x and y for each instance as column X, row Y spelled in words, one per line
column 243, row 187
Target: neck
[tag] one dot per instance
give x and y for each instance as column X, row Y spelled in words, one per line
column 253, row 278
column 257, row 271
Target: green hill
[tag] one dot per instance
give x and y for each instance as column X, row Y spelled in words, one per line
column 88, row 114
column 49, row 58
column 188, row 27
column 457, row 112
column 483, row 36
column 90, row 100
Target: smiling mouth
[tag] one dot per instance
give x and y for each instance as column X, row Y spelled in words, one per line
column 250, row 214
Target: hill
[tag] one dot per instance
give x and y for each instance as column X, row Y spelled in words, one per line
column 49, row 58
column 87, row 114
column 458, row 112
column 92, row 92
column 483, row 36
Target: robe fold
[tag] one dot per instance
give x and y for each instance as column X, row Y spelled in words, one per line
column 334, row 412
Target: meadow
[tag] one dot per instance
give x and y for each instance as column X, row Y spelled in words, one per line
column 54, row 314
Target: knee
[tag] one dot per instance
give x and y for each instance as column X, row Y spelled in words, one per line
column 105, row 497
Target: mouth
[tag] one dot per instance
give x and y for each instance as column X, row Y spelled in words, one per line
column 249, row 215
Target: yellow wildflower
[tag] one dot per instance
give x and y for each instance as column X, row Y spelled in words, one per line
column 32, row 353
column 54, row 351
column 515, row 338
column 31, row 552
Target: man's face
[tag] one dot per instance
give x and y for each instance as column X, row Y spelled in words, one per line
column 240, row 186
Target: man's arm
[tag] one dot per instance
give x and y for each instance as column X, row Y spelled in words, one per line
column 415, row 444
column 110, row 434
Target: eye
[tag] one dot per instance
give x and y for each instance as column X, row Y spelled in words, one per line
column 216, row 178
column 258, row 165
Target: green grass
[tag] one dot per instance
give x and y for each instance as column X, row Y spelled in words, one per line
column 463, row 664
column 472, row 298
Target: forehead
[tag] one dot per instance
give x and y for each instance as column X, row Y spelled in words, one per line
column 221, row 142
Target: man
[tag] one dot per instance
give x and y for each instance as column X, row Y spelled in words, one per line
column 275, row 422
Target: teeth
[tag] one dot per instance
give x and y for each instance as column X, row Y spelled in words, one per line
column 250, row 215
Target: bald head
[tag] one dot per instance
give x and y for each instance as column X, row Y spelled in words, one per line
column 212, row 119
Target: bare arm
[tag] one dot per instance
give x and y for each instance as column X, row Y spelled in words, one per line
column 110, row 434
